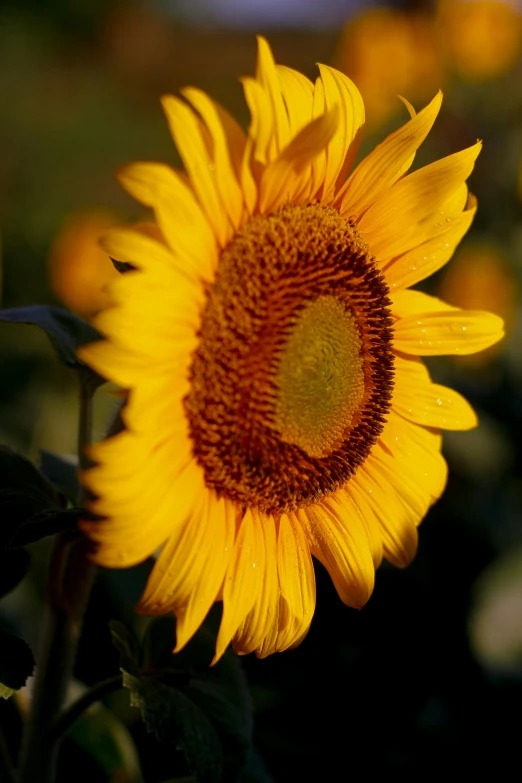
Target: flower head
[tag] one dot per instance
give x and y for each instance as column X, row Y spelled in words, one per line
column 277, row 406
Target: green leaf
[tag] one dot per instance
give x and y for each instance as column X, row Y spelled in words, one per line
column 62, row 473
column 13, row 567
column 220, row 691
column 66, row 331
column 16, row 661
column 166, row 711
column 174, row 718
column 24, row 493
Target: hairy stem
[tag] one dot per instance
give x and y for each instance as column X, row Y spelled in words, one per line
column 70, row 577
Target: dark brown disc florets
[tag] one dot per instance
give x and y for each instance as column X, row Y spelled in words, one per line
column 293, row 375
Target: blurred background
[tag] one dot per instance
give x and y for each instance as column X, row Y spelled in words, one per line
column 427, row 677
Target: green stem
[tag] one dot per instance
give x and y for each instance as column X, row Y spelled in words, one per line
column 73, row 712
column 70, row 578
column 6, row 768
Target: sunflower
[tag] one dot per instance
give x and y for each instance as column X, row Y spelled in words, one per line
column 277, row 406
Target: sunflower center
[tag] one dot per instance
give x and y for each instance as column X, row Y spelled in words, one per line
column 293, row 374
column 320, row 377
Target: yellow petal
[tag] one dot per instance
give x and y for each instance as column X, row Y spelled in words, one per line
column 111, row 452
column 460, row 200
column 447, row 215
column 205, row 592
column 149, row 472
column 226, row 178
column 416, row 497
column 382, row 167
column 140, row 300
column 119, row 365
column 419, row 400
column 179, row 216
column 319, row 164
column 137, row 285
column 283, row 178
column 390, row 504
column 157, row 400
column 455, row 332
column 416, row 196
column 340, row 92
column 248, row 180
column 296, row 579
column 416, row 451
column 134, row 247
column 128, row 454
column 425, row 259
column 239, row 156
column 190, row 569
column 354, row 501
column 298, row 95
column 340, row 542
column 177, row 567
column 186, row 131
column 168, row 318
column 152, row 343
column 420, row 447
column 406, row 303
column 160, row 497
column 243, row 579
column 145, row 181
column 267, row 76
column 261, row 129
column 258, row 631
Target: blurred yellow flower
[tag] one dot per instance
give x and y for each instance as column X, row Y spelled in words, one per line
column 480, row 274
column 79, row 270
column 389, row 52
column 480, row 38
